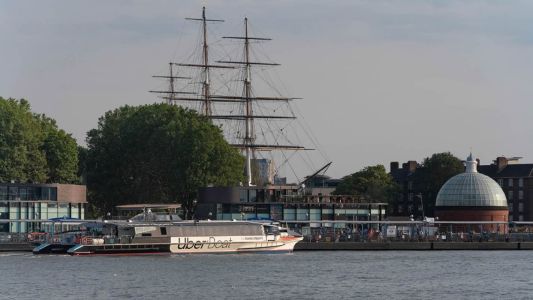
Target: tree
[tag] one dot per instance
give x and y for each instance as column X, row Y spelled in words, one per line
column 32, row 148
column 156, row 153
column 61, row 151
column 433, row 173
column 82, row 164
column 372, row 183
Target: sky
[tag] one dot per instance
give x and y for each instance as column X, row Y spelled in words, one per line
column 381, row 81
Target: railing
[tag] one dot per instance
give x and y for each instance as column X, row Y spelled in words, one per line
column 338, row 231
column 465, row 237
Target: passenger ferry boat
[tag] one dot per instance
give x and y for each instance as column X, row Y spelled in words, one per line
column 184, row 237
column 188, row 237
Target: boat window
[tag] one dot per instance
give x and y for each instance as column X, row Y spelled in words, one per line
column 146, row 234
column 271, row 230
column 163, row 230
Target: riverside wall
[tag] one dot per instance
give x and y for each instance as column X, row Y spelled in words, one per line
column 370, row 246
column 15, row 247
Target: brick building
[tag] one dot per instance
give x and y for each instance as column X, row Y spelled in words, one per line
column 409, row 201
column 516, row 180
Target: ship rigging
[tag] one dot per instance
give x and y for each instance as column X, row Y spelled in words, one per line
column 240, row 115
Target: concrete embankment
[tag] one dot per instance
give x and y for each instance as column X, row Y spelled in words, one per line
column 13, row 247
column 307, row 246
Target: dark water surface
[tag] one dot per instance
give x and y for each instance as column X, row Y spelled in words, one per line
column 301, row 275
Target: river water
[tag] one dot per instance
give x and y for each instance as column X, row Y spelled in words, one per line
column 300, row 275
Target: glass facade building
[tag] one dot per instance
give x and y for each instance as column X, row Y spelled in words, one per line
column 23, row 207
column 285, row 204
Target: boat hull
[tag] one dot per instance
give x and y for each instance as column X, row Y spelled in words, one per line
column 52, row 248
column 186, row 248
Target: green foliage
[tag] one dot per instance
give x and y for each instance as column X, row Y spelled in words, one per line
column 433, row 173
column 32, row 148
column 61, row 153
column 82, row 164
column 156, row 153
column 373, row 183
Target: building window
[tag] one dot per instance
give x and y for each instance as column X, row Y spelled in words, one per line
column 409, row 185
column 500, row 182
column 510, row 207
column 13, row 193
column 400, row 209
column 520, row 218
column 520, row 182
column 46, row 193
column 510, row 182
column 520, row 195
column 24, row 193
column 510, row 195
column 410, row 197
column 521, row 207
column 3, row 192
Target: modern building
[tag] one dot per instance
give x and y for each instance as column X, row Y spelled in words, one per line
column 285, row 203
column 23, row 203
column 471, row 196
column 321, row 185
column 516, row 180
column 263, row 171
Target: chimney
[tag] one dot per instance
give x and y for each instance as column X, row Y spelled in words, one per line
column 411, row 165
column 501, row 163
column 394, row 165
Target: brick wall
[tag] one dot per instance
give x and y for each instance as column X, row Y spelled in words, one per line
column 71, row 193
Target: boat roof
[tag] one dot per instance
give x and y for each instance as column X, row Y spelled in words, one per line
column 191, row 222
column 148, row 205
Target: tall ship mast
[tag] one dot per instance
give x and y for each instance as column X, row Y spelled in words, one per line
column 249, row 144
column 247, row 119
column 171, row 95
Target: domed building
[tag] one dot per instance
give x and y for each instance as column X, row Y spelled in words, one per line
column 471, row 196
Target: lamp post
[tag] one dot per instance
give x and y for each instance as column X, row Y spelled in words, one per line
column 419, row 195
column 308, row 217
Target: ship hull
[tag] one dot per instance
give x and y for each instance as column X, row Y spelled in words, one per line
column 285, row 246
column 52, row 248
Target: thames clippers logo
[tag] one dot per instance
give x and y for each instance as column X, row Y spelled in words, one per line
column 210, row 243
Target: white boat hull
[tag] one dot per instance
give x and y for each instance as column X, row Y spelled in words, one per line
column 196, row 246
